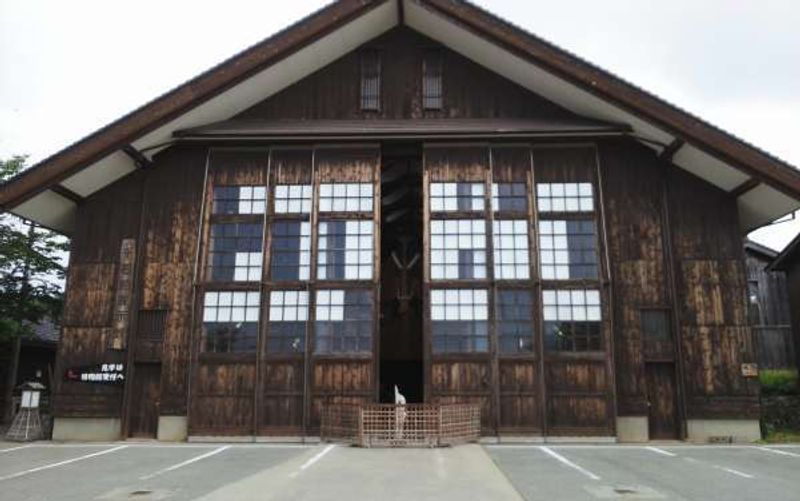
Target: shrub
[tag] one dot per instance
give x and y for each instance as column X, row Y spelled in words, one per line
column 778, row 381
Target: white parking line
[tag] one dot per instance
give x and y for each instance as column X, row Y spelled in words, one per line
column 569, row 463
column 661, row 451
column 777, row 451
column 735, row 472
column 61, row 463
column 16, row 448
column 317, row 457
column 184, row 463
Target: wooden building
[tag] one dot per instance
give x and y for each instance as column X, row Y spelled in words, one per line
column 408, row 192
column 769, row 310
column 788, row 263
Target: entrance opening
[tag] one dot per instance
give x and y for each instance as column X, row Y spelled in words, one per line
column 401, row 273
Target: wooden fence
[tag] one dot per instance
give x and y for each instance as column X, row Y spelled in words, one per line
column 775, row 346
column 411, row 425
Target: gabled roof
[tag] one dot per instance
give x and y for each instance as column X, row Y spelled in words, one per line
column 761, row 250
column 766, row 187
column 788, row 256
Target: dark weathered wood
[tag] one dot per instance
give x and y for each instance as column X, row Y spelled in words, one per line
column 333, row 92
column 143, row 418
column 661, row 401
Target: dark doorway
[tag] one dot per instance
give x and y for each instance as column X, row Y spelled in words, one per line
column 145, row 401
column 661, row 396
column 401, row 273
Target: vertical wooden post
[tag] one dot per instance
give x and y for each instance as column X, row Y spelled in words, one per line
column 197, row 302
column 538, row 319
column 607, row 280
column 671, row 268
column 262, row 295
column 140, row 246
column 492, row 292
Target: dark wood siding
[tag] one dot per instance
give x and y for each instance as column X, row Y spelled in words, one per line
column 333, row 92
column 711, row 282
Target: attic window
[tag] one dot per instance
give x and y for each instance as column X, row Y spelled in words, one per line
column 432, row 80
column 370, row 80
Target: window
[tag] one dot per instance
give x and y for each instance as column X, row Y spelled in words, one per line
column 450, row 197
column 510, row 239
column 291, row 250
column 514, row 321
column 293, row 198
column 345, row 250
column 568, row 249
column 432, row 95
column 459, row 320
column 572, row 320
column 509, row 197
column 230, row 321
column 753, row 302
column 564, row 197
column 370, row 80
column 288, row 313
column 239, row 199
column 345, row 197
column 458, row 249
column 655, row 325
column 235, row 252
column 344, row 321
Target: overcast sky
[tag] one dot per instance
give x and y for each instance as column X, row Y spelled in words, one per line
column 70, row 67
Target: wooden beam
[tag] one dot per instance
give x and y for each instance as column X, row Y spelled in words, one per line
column 68, row 194
column 671, row 149
column 745, row 187
column 401, row 16
column 141, row 161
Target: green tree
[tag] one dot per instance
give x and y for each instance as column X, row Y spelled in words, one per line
column 31, row 273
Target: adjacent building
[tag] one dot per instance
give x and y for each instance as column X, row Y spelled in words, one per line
column 411, row 193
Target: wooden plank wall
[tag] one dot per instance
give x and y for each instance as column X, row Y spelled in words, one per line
column 103, row 221
column 634, row 193
column 712, row 290
column 333, row 91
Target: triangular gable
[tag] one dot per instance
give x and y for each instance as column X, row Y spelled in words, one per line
column 766, row 187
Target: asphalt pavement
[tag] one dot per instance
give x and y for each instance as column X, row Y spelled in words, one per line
column 153, row 471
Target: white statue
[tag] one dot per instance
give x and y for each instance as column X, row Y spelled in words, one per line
column 399, row 413
column 399, row 399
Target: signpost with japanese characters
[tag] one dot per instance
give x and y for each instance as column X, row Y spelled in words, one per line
column 110, row 373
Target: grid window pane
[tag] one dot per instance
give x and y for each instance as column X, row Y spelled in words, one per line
column 291, row 250
column 458, row 249
column 572, row 320
column 509, row 197
column 564, row 197
column 345, row 197
column 432, row 95
column 568, row 249
column 288, row 314
column 511, row 259
column 343, row 321
column 293, row 199
column 514, row 321
column 239, row 200
column 230, row 321
column 451, row 197
column 370, row 80
column 459, row 320
column 235, row 252
column 345, row 250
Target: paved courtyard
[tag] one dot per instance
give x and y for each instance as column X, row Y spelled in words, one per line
column 150, row 471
